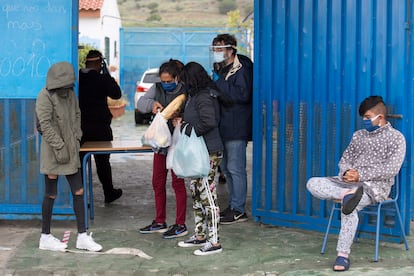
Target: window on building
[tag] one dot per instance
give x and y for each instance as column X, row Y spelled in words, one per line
column 107, row 50
column 115, row 50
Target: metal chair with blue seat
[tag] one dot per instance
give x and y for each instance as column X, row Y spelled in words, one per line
column 374, row 210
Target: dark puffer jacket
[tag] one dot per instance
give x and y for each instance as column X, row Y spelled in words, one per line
column 236, row 83
column 202, row 112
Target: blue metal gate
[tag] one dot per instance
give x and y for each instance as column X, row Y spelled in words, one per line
column 315, row 61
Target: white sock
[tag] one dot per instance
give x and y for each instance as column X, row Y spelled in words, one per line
column 82, row 234
column 42, row 235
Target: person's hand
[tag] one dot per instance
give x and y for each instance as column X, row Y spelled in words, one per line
column 104, row 68
column 176, row 121
column 156, row 107
column 351, row 176
column 215, row 76
column 187, row 127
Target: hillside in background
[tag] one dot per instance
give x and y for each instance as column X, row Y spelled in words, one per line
column 180, row 13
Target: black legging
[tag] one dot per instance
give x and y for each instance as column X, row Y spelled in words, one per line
column 75, row 183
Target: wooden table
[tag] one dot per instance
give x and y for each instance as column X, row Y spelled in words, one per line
column 102, row 147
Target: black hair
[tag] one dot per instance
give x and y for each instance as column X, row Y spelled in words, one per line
column 93, row 57
column 370, row 103
column 179, row 64
column 226, row 39
column 195, row 78
column 93, row 54
column 172, row 67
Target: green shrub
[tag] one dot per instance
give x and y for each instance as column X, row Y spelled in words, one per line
column 83, row 50
column 154, row 17
column 152, row 6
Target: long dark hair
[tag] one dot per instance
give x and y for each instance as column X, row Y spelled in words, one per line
column 195, row 78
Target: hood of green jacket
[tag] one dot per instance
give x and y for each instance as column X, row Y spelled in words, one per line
column 60, row 74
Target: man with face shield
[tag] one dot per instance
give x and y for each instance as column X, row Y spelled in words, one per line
column 233, row 75
column 367, row 170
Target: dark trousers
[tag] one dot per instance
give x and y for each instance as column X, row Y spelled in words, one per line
column 104, row 171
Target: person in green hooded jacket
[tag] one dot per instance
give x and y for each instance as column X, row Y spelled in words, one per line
column 58, row 116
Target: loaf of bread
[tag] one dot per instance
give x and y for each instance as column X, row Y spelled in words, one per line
column 173, row 107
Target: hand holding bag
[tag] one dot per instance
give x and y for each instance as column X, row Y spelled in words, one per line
column 191, row 157
column 158, row 134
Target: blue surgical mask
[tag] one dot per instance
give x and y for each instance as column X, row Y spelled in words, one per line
column 168, row 86
column 367, row 124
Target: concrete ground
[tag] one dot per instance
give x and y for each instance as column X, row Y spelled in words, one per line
column 249, row 248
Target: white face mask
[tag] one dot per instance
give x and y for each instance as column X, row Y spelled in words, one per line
column 218, row 57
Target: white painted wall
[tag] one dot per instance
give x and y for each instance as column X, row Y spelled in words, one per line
column 93, row 31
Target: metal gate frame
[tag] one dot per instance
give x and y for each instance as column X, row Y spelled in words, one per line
column 314, row 62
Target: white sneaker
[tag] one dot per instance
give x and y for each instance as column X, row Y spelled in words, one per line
column 48, row 242
column 208, row 249
column 85, row 241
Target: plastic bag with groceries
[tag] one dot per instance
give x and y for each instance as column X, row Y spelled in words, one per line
column 158, row 134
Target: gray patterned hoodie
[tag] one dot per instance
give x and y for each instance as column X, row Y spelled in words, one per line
column 377, row 156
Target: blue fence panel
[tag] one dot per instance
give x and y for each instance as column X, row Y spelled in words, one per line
column 21, row 185
column 143, row 48
column 315, row 61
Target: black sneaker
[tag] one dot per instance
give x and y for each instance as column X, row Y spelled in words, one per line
column 154, row 228
column 191, row 242
column 208, row 249
column 226, row 212
column 174, row 231
column 233, row 217
column 114, row 195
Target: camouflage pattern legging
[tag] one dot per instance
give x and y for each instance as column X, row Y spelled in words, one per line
column 204, row 194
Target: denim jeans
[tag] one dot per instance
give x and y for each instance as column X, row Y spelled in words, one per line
column 233, row 166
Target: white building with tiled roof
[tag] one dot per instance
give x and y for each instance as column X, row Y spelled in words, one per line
column 99, row 24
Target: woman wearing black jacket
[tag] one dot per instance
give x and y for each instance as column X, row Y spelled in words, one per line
column 202, row 114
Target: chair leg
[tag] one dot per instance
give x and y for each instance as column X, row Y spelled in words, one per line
column 377, row 234
column 328, row 228
column 397, row 209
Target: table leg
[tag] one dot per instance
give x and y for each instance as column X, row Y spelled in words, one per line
column 90, row 190
column 85, row 169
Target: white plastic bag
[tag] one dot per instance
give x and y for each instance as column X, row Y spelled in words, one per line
column 191, row 157
column 158, row 134
column 171, row 149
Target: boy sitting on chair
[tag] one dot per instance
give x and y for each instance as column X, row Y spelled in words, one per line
column 366, row 172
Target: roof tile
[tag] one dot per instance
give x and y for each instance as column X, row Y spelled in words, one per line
column 90, row 4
